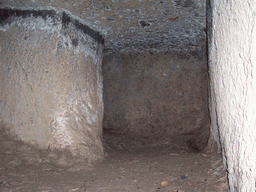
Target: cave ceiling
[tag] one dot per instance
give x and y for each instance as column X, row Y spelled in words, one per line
column 135, row 25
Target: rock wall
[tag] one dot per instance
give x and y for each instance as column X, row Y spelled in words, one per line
column 136, row 25
column 232, row 59
column 162, row 95
column 51, row 81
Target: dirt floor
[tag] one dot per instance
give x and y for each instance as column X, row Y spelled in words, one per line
column 130, row 164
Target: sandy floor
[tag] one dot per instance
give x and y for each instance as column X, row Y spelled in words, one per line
column 127, row 166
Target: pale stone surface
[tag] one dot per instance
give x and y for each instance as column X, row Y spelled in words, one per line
column 232, row 73
column 51, row 82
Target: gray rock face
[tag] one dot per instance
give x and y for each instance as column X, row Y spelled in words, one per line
column 51, row 81
column 158, row 95
column 137, row 25
column 151, row 93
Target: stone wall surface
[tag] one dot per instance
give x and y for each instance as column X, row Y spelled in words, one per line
column 136, row 25
column 232, row 72
column 51, row 81
column 155, row 72
column 157, row 95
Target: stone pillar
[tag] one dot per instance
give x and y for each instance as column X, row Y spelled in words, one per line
column 51, row 81
column 232, row 56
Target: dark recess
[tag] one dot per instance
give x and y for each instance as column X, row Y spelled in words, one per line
column 6, row 13
column 144, row 24
column 66, row 19
column 75, row 42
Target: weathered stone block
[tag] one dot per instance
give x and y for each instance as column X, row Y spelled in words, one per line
column 51, row 81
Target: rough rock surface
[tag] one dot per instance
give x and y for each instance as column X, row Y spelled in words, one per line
column 51, row 81
column 161, row 95
column 232, row 72
column 134, row 168
column 136, row 25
